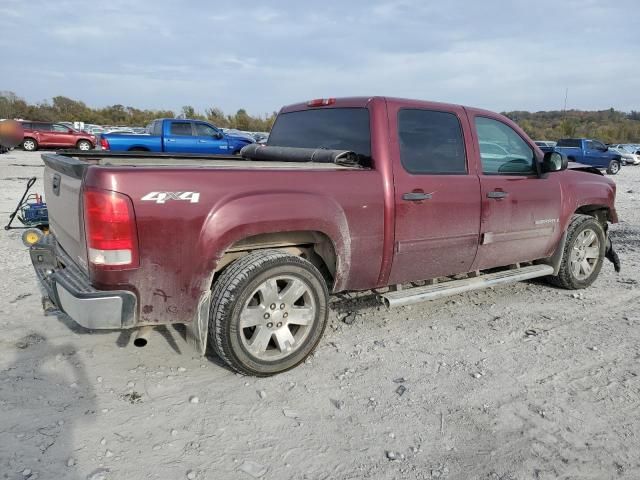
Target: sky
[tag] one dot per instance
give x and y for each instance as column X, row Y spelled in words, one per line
column 260, row 55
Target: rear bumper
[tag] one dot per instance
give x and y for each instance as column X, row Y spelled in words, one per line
column 68, row 287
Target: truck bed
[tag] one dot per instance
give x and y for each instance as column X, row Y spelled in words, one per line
column 150, row 159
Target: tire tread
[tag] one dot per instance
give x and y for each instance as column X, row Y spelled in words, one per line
column 564, row 278
column 226, row 290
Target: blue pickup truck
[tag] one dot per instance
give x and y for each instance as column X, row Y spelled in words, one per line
column 176, row 136
column 589, row 152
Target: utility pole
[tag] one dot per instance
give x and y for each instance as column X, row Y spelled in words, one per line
column 566, row 94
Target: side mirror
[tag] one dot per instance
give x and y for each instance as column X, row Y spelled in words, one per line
column 70, row 131
column 554, row 162
column 218, row 135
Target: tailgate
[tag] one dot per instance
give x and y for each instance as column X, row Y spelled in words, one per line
column 62, row 187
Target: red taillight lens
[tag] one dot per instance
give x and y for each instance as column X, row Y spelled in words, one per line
column 104, row 143
column 110, row 228
column 321, row 102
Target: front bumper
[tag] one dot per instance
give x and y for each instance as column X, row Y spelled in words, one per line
column 68, row 287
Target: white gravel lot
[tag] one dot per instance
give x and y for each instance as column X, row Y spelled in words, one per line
column 482, row 400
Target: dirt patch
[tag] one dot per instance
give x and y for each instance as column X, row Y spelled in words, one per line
column 519, row 382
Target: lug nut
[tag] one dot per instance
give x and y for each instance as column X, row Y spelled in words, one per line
column 279, row 324
column 273, row 306
column 285, row 314
column 266, row 316
column 282, row 306
column 269, row 325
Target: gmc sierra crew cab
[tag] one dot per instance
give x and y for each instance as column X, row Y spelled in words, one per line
column 349, row 194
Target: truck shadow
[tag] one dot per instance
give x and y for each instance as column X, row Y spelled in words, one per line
column 47, row 399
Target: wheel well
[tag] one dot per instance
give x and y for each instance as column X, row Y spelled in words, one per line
column 599, row 212
column 313, row 246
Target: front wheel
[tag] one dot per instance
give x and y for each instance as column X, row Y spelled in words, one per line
column 268, row 312
column 583, row 254
column 30, row 145
column 614, row 167
column 84, row 145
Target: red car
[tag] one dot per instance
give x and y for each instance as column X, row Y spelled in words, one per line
column 47, row 134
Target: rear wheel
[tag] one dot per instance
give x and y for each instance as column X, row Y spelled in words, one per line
column 84, row 145
column 268, row 312
column 583, row 254
column 614, row 167
column 29, row 144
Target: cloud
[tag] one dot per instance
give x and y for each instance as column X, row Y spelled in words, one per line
column 260, row 55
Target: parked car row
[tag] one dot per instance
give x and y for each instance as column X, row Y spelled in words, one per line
column 629, row 152
column 177, row 135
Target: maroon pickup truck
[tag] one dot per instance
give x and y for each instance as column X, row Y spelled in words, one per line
column 349, row 194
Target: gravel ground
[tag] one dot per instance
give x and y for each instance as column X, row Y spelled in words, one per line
column 450, row 389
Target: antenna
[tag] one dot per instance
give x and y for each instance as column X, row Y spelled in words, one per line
column 566, row 94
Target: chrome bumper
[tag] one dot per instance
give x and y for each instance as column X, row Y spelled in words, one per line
column 68, row 287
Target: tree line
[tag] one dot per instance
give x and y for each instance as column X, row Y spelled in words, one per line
column 610, row 126
column 61, row 109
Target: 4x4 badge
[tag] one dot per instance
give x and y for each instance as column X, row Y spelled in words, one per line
column 162, row 197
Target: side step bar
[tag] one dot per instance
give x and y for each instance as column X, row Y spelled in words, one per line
column 453, row 287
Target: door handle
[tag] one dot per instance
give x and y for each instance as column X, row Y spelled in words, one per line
column 497, row 194
column 169, row 140
column 203, row 141
column 416, row 196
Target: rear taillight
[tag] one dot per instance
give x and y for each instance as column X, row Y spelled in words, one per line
column 110, row 229
column 104, row 143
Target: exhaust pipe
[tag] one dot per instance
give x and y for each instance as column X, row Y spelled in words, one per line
column 142, row 337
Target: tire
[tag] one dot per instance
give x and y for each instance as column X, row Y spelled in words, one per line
column 31, row 236
column 614, row 167
column 256, row 289
column 29, row 145
column 573, row 276
column 84, row 145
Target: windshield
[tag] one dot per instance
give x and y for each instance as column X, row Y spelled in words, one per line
column 328, row 128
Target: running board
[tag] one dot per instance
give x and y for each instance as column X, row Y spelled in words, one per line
column 431, row 292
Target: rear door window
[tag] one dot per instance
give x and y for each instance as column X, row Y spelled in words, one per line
column 42, row 127
column 329, row 128
column 431, row 142
column 181, row 129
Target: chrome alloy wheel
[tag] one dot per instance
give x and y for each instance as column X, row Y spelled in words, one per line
column 277, row 318
column 585, row 254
